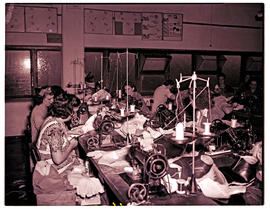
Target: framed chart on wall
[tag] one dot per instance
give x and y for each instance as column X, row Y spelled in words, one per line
column 127, row 23
column 15, row 22
column 41, row 19
column 98, row 21
column 151, row 26
column 172, row 27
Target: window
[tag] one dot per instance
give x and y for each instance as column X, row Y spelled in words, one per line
column 18, row 73
column 30, row 68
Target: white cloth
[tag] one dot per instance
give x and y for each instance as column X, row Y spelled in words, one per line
column 134, row 124
column 214, row 185
column 88, row 126
column 85, row 186
column 43, row 167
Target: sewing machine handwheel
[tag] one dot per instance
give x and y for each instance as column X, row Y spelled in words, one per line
column 106, row 127
column 156, row 166
column 137, row 192
column 75, row 121
column 92, row 142
column 161, row 107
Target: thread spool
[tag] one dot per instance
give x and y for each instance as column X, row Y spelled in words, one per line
column 185, row 120
column 233, row 123
column 122, row 112
column 132, row 108
column 170, row 106
column 180, row 189
column 206, row 128
column 179, row 131
column 119, row 94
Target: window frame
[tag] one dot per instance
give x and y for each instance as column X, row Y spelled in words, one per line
column 34, row 66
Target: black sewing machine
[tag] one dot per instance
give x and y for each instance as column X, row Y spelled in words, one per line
column 149, row 167
column 239, row 139
column 103, row 136
column 81, row 116
column 165, row 117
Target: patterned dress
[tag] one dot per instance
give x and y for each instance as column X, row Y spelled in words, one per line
column 50, row 181
column 53, row 137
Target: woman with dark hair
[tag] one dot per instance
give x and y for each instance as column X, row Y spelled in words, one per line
column 57, row 91
column 52, row 182
column 135, row 98
column 222, row 88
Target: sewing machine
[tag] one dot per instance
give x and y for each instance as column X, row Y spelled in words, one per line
column 149, row 167
column 165, row 117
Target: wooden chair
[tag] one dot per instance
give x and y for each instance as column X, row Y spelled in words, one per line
column 35, row 155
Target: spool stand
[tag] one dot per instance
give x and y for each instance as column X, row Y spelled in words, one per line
column 192, row 83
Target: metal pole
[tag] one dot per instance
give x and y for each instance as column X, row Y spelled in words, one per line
column 101, row 72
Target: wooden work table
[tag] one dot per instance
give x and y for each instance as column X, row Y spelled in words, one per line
column 118, row 187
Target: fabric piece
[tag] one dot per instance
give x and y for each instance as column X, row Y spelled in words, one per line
column 134, row 124
column 220, row 107
column 214, row 185
column 94, row 200
column 43, row 167
column 85, row 186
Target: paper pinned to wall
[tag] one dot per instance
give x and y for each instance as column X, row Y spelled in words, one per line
column 127, row 23
column 172, row 27
column 41, row 19
column 151, row 26
column 98, row 21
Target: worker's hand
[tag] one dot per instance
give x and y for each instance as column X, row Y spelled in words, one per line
column 229, row 98
column 235, row 104
column 73, row 142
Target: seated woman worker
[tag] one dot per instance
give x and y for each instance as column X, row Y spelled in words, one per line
column 135, row 98
column 51, row 178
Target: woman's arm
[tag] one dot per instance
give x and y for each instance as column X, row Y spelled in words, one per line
column 59, row 154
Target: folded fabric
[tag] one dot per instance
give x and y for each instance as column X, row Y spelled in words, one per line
column 109, row 157
column 43, row 167
column 85, row 186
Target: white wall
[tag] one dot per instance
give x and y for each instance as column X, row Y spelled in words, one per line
column 16, row 113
